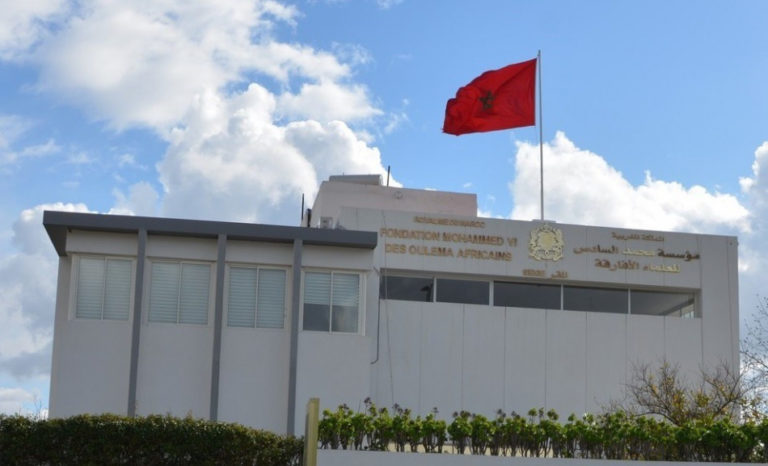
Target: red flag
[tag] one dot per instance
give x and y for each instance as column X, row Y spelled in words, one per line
column 498, row 99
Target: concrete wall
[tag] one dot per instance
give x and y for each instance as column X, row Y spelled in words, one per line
column 380, row 458
column 91, row 358
column 485, row 358
column 90, row 366
column 255, row 361
column 419, row 355
column 332, row 196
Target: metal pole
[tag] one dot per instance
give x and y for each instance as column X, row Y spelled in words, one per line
column 310, row 432
column 541, row 139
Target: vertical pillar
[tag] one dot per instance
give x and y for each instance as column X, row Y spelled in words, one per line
column 136, row 329
column 217, row 323
column 294, row 354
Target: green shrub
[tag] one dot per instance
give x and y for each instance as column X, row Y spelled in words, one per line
column 613, row 435
column 110, row 439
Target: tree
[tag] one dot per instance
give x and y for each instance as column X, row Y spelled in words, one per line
column 719, row 394
column 754, row 356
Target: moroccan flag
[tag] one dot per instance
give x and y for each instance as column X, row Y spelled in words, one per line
column 499, row 99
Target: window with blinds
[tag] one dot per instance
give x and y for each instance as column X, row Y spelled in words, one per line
column 103, row 288
column 179, row 293
column 331, row 301
column 256, row 297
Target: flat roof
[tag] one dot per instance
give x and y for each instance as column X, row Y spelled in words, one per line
column 58, row 224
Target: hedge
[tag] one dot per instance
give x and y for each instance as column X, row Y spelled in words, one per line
column 111, row 439
column 614, row 435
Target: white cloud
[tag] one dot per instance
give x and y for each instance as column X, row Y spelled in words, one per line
column 28, row 288
column 80, row 158
column 13, row 400
column 354, row 54
column 23, row 24
column 142, row 199
column 12, row 127
column 126, row 160
column 143, row 63
column 580, row 187
column 753, row 259
column 249, row 167
column 328, row 101
column 387, row 4
column 756, row 187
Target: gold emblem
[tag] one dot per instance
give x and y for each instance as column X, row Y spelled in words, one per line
column 546, row 244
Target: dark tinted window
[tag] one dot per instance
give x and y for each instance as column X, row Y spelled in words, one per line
column 406, row 288
column 595, row 299
column 526, row 295
column 462, row 291
column 662, row 304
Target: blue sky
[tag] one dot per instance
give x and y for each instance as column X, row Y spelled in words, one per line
column 655, row 116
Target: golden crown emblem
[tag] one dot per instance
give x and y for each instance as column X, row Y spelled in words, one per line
column 546, row 244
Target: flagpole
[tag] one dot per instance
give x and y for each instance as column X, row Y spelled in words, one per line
column 541, row 138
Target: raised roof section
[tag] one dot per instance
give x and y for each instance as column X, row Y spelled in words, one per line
column 360, row 191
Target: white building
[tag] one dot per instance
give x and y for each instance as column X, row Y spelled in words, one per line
column 404, row 296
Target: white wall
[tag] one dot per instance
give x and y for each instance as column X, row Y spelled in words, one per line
column 334, row 368
column 485, row 358
column 332, row 196
column 382, row 458
column 91, row 359
column 254, row 377
column 174, row 374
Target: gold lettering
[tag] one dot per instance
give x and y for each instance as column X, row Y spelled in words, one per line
column 534, row 273
column 394, row 248
column 638, row 236
column 449, row 221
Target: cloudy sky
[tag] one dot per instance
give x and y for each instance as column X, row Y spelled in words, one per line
column 655, row 116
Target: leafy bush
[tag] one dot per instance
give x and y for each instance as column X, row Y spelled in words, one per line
column 111, row 439
column 614, row 435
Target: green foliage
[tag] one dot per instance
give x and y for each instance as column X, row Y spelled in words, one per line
column 614, row 435
column 111, row 439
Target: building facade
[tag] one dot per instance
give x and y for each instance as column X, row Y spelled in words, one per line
column 404, row 296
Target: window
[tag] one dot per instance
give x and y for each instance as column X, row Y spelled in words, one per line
column 179, row 293
column 530, row 295
column 406, row 288
column 103, row 288
column 331, row 301
column 658, row 303
column 462, row 291
column 595, row 299
column 256, row 297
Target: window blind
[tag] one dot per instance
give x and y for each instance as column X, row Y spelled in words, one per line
column 193, row 300
column 346, row 301
column 117, row 289
column 241, row 307
column 90, row 288
column 164, row 292
column 270, row 310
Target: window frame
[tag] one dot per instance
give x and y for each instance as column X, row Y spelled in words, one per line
column 383, row 276
column 75, row 281
column 147, row 299
column 436, row 290
column 361, row 294
column 696, row 314
column 286, row 296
